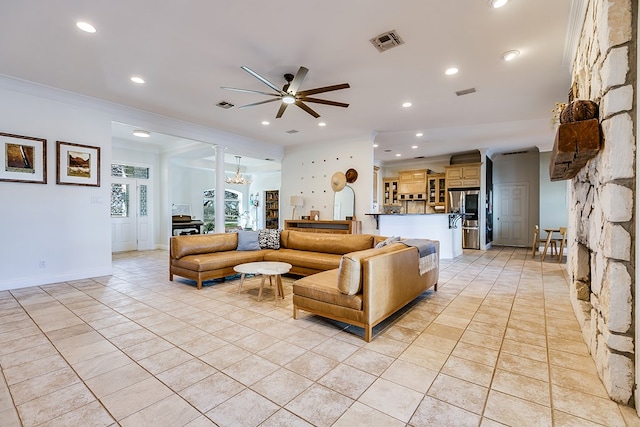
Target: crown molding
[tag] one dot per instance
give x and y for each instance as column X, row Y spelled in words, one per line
column 577, row 14
column 145, row 119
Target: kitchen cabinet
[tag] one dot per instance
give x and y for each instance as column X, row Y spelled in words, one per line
column 436, row 189
column 390, row 191
column 463, row 175
column 412, row 181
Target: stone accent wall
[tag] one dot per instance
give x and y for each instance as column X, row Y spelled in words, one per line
column 602, row 206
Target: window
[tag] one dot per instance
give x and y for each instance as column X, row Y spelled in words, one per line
column 232, row 204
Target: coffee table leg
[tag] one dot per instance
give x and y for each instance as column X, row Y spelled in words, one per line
column 261, row 286
column 241, row 282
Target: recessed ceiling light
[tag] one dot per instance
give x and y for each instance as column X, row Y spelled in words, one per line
column 86, row 27
column 414, row 146
column 265, row 122
column 137, row 79
column 322, row 124
column 497, row 3
column 407, row 104
column 141, row 133
column 451, row 71
column 510, row 55
column 398, row 155
column 375, row 145
column 419, row 134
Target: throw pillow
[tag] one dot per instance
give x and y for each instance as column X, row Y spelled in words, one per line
column 269, row 239
column 388, row 241
column 248, row 241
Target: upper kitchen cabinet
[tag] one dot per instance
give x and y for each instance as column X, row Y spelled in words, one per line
column 412, row 181
column 463, row 175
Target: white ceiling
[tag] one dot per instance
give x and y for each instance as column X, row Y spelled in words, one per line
column 187, row 50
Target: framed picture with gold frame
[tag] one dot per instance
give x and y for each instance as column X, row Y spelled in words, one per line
column 23, row 159
column 77, row 164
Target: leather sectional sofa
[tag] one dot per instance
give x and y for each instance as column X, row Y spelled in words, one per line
column 346, row 277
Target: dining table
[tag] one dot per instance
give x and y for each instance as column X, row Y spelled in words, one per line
column 549, row 232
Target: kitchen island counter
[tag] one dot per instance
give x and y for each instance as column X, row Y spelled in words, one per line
column 433, row 226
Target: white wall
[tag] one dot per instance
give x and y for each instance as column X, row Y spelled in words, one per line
column 307, row 171
column 67, row 227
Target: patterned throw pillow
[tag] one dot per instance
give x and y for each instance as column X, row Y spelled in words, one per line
column 269, row 239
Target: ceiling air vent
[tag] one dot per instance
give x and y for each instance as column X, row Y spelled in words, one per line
column 466, row 91
column 386, row 41
column 293, row 131
column 224, row 104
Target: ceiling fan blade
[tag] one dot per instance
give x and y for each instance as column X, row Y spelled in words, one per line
column 307, row 109
column 249, row 91
column 281, row 110
column 263, row 80
column 323, row 89
column 324, row 101
column 297, row 80
column 258, row 103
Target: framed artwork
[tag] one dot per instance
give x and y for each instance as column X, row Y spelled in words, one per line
column 77, row 164
column 24, row 159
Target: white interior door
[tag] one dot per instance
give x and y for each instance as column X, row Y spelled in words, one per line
column 124, row 209
column 511, row 213
column 131, row 225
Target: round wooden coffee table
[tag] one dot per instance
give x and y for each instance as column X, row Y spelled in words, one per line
column 267, row 269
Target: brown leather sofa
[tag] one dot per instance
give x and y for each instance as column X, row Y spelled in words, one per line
column 212, row 256
column 368, row 287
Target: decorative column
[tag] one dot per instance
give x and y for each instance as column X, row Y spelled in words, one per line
column 219, row 199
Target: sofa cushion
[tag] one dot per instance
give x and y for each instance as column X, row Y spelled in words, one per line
column 339, row 244
column 304, row 259
column 350, row 271
column 214, row 261
column 322, row 287
column 269, row 239
column 248, row 241
column 202, row 244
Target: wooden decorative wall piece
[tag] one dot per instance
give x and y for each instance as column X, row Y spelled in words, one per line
column 576, row 143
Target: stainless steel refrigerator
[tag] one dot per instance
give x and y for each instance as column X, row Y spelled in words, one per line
column 466, row 201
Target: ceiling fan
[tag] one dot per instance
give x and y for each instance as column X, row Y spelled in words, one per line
column 290, row 93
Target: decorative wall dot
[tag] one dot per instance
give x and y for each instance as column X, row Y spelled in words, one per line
column 337, row 158
column 325, row 191
column 313, row 161
column 312, row 192
column 325, row 161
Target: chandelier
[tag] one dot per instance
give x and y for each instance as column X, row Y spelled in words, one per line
column 238, row 178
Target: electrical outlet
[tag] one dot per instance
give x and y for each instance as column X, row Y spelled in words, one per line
column 42, row 264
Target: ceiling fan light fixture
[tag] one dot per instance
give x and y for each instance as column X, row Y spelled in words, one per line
column 288, row 99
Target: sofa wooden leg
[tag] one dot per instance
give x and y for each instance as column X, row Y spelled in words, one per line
column 295, row 312
column 435, row 287
column 171, row 277
column 199, row 283
column 368, row 330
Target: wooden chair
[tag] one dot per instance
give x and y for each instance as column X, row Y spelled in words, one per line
column 537, row 241
column 563, row 241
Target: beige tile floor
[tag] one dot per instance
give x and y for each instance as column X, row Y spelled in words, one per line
column 498, row 344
